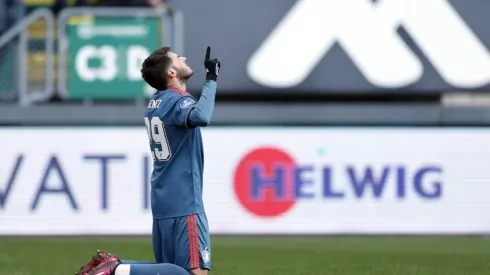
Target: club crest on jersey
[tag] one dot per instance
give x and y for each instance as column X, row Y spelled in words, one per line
column 206, row 255
column 186, row 103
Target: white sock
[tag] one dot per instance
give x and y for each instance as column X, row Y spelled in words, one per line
column 123, row 269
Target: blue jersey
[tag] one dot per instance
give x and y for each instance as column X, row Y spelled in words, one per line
column 177, row 177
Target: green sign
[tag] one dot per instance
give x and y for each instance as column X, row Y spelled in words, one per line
column 105, row 57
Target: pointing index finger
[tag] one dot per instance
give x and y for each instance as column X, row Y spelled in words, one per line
column 208, row 54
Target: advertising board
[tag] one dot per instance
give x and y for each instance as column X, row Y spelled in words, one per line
column 106, row 57
column 80, row 181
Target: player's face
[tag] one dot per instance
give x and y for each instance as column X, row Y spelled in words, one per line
column 180, row 65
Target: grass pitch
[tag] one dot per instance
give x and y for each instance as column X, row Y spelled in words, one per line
column 266, row 255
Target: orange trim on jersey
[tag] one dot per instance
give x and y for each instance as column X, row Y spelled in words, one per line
column 180, row 92
column 193, row 237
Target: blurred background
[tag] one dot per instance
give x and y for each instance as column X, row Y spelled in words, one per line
column 348, row 137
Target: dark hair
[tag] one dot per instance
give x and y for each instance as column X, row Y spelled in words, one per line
column 154, row 69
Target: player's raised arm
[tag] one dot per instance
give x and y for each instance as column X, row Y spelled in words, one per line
column 201, row 113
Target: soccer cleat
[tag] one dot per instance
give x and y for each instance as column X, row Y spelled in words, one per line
column 107, row 267
column 98, row 258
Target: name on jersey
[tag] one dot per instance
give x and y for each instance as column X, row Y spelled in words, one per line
column 154, row 103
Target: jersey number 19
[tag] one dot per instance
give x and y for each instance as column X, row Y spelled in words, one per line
column 156, row 133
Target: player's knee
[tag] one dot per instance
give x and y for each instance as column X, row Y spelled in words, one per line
column 199, row 271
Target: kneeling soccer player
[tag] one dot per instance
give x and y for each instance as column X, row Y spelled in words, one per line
column 104, row 263
column 174, row 120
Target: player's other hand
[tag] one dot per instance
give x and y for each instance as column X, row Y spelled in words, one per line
column 212, row 66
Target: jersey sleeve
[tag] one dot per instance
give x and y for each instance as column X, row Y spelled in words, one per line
column 181, row 111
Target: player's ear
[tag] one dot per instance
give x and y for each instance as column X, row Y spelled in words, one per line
column 171, row 73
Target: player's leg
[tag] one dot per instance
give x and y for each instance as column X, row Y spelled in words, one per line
column 167, row 244
column 157, row 239
column 204, row 243
column 113, row 266
column 102, row 255
column 193, row 247
column 98, row 258
column 136, row 262
column 150, row 269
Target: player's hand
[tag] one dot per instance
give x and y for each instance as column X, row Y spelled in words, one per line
column 212, row 66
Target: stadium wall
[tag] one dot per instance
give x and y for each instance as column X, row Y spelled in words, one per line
column 275, row 180
column 258, row 114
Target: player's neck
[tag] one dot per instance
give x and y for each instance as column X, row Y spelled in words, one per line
column 181, row 86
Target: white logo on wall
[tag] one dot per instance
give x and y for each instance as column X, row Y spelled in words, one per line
column 367, row 32
column 109, row 68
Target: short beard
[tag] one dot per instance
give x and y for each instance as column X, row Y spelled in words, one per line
column 183, row 75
